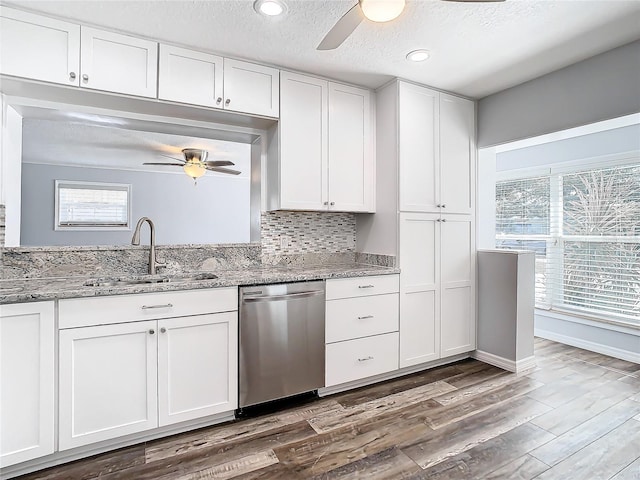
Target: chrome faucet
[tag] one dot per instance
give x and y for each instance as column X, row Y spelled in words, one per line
column 153, row 262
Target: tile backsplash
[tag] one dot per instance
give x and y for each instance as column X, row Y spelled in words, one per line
column 293, row 233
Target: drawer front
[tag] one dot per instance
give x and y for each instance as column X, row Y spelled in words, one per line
column 351, row 318
column 362, row 286
column 361, row 358
column 81, row 312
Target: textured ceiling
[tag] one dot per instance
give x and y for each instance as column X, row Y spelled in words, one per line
column 476, row 48
column 78, row 144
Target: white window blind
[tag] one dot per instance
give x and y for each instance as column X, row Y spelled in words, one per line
column 92, row 205
column 589, row 262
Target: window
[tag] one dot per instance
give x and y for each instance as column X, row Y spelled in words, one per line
column 92, row 206
column 584, row 226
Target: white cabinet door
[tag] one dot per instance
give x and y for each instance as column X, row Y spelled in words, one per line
column 39, row 48
column 418, row 134
column 118, row 63
column 26, row 382
column 351, row 160
column 458, row 319
column 251, row 88
column 190, row 77
column 419, row 295
column 303, row 143
column 197, row 366
column 457, row 154
column 107, row 382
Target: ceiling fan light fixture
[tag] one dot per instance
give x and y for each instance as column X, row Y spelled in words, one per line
column 382, row 10
column 270, row 8
column 418, row 55
column 194, row 169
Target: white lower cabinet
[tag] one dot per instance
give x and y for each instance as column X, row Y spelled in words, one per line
column 124, row 378
column 27, row 339
column 197, row 361
column 437, row 285
column 107, row 382
column 361, row 328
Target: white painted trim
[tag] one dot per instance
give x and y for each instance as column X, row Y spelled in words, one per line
column 323, row 392
column 587, row 345
column 519, row 367
column 59, row 458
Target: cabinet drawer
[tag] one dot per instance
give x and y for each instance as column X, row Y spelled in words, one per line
column 80, row 312
column 361, row 358
column 351, row 318
column 362, row 286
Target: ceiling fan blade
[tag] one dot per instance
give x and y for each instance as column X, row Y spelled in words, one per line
column 342, row 29
column 224, row 170
column 172, row 158
column 169, row 164
column 219, row 163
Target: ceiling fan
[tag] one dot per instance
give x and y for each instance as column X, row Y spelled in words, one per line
column 195, row 163
column 374, row 10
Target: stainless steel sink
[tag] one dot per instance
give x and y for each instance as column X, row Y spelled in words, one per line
column 123, row 282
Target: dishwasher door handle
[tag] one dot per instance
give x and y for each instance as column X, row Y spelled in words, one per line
column 285, row 297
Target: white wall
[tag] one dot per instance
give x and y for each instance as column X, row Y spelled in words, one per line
column 10, row 171
column 599, row 88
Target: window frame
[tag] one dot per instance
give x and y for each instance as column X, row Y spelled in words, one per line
column 556, row 238
column 91, row 186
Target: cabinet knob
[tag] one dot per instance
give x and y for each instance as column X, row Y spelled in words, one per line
column 444, row 219
column 438, row 220
column 163, row 330
column 227, row 101
column 438, row 205
column 72, row 75
column 326, row 203
column 443, row 205
column 218, row 100
column 85, row 78
column 332, row 203
column 152, row 331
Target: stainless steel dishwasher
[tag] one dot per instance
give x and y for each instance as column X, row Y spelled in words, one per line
column 281, row 341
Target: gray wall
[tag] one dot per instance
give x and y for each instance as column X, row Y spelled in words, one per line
column 214, row 211
column 599, row 88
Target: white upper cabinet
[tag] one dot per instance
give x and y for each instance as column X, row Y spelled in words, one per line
column 351, row 167
column 191, row 77
column 27, row 382
column 303, row 142
column 251, row 88
column 457, row 157
column 436, row 151
column 326, row 146
column 118, row 63
column 418, row 130
column 38, row 47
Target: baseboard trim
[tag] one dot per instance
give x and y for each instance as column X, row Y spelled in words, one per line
column 587, row 345
column 519, row 367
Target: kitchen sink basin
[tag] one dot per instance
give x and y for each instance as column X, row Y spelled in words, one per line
column 123, row 282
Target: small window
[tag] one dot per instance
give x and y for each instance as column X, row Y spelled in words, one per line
column 92, row 205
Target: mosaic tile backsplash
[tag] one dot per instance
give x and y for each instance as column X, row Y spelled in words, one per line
column 294, row 233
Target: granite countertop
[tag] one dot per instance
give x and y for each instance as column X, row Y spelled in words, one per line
column 33, row 290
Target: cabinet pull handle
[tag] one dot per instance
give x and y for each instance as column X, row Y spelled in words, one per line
column 163, row 330
column 72, row 75
column 85, row 78
column 227, row 101
column 365, row 286
column 365, row 317
column 152, row 331
column 218, row 100
column 149, row 307
column 365, row 359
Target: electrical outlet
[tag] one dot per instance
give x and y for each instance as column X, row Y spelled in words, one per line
column 284, row 241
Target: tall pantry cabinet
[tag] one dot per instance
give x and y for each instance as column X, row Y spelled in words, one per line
column 428, row 138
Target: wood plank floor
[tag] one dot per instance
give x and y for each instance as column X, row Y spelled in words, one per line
column 577, row 416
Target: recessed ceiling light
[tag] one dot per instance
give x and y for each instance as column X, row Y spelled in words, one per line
column 418, row 55
column 271, row 8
